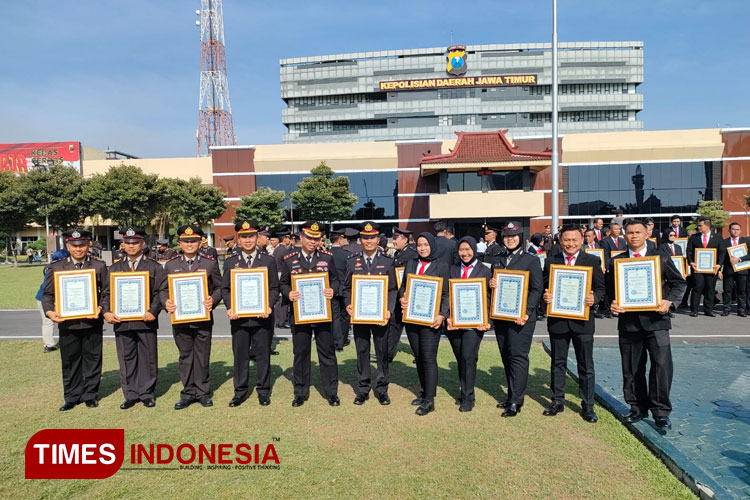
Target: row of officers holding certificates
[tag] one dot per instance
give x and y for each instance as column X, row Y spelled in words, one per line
column 418, row 291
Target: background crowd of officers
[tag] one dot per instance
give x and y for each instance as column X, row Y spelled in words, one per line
column 642, row 335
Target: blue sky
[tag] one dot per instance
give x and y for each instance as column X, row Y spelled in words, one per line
column 124, row 74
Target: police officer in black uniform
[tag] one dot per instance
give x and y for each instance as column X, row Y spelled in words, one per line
column 338, row 306
column 405, row 252
column 232, row 248
column 493, row 247
column 194, row 339
column 371, row 261
column 246, row 331
column 281, row 308
column 351, row 235
column 208, row 251
column 304, row 260
column 80, row 339
column 163, row 252
column 136, row 340
column 514, row 337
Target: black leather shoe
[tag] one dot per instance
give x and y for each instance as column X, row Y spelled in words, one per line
column 418, row 400
column 503, row 404
column 671, row 314
column 741, row 313
column 633, row 416
column 183, row 403
column 51, row 348
column 361, row 398
column 457, row 401
column 68, row 406
column 725, row 312
column 206, row 401
column 334, row 401
column 149, row 403
column 511, row 410
column 608, row 315
column 589, row 415
column 384, row 399
column 693, row 314
column 553, row 409
column 298, row 401
column 92, row 403
column 466, row 406
column 710, row 314
column 128, row 403
column 274, row 352
column 264, row 400
column 663, row 422
column 235, row 402
column 425, row 408
column 598, row 315
column 339, row 349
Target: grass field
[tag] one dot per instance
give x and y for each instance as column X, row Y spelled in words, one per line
column 20, row 285
column 370, row 451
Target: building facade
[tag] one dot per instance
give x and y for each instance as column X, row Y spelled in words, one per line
column 429, row 94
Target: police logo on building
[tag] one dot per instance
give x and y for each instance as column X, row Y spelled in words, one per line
column 456, row 60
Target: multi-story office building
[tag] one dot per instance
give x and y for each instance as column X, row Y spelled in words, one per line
column 429, row 94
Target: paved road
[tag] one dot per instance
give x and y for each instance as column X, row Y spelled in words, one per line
column 25, row 325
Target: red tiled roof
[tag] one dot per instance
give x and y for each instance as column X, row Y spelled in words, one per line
column 485, row 147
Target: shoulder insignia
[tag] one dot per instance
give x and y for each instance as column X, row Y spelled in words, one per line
column 290, row 254
column 207, row 257
column 173, row 258
column 324, row 251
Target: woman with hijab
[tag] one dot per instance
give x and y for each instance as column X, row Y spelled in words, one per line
column 424, row 340
column 514, row 337
column 465, row 341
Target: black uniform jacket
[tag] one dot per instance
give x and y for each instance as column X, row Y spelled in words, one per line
column 436, row 268
column 238, row 262
column 102, row 288
column 200, row 263
column 525, row 262
column 157, row 281
column 294, row 263
column 381, row 265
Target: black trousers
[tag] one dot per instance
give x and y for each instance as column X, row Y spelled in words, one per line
column 362, row 335
column 81, row 356
column 329, row 370
column 736, row 283
column 686, row 298
column 703, row 285
column 583, row 344
column 465, row 345
column 281, row 312
column 635, row 349
column 424, row 342
column 260, row 338
column 514, row 342
column 340, row 322
column 194, row 345
column 139, row 363
column 395, row 327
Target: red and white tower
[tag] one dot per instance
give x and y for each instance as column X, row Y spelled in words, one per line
column 215, row 126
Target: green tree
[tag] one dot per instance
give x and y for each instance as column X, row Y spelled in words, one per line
column 14, row 210
column 125, row 195
column 714, row 211
column 196, row 202
column 324, row 197
column 56, row 194
column 166, row 214
column 264, row 206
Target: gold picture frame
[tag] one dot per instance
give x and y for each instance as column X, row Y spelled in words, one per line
column 410, row 316
column 524, row 294
column 236, row 273
column 383, row 306
column 59, row 277
column 453, row 286
column 114, row 293
column 657, row 289
column 173, row 280
column 695, row 259
column 745, row 265
column 399, row 276
column 328, row 315
column 683, row 264
column 556, row 269
column 599, row 252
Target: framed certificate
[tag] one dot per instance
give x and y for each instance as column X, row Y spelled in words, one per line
column 75, row 294
column 312, row 306
column 249, row 292
column 656, row 243
column 739, row 251
column 542, row 257
column 638, row 283
column 130, row 296
column 510, row 294
column 612, row 253
column 705, row 260
column 188, row 291
column 423, row 297
column 369, row 298
column 682, row 243
column 468, row 298
column 681, row 264
column 569, row 286
column 599, row 252
column 399, row 276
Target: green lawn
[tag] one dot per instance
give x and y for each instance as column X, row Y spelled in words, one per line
column 350, row 451
column 20, row 285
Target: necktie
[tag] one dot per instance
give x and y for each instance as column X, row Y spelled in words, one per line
column 369, row 262
column 467, row 270
column 598, row 236
column 591, row 245
column 616, row 245
column 132, row 267
column 636, row 255
column 421, row 267
column 705, row 240
column 249, row 261
column 734, row 242
column 190, row 264
column 570, row 259
column 309, row 260
column 79, row 265
column 671, row 247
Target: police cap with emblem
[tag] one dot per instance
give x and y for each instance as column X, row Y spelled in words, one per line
column 369, row 229
column 162, row 241
column 350, row 232
column 312, row 229
column 246, row 227
column 77, row 236
column 189, row 232
column 132, row 234
column 512, row 228
column 397, row 231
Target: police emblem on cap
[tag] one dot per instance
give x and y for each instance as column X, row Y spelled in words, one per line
column 75, row 234
column 368, row 227
column 246, row 225
column 511, row 226
column 188, row 230
column 314, row 226
column 130, row 232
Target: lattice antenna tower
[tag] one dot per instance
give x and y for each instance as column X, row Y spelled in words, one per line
column 215, row 127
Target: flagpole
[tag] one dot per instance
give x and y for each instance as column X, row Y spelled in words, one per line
column 555, row 180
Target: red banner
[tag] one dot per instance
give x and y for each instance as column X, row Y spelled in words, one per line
column 23, row 157
column 74, row 453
